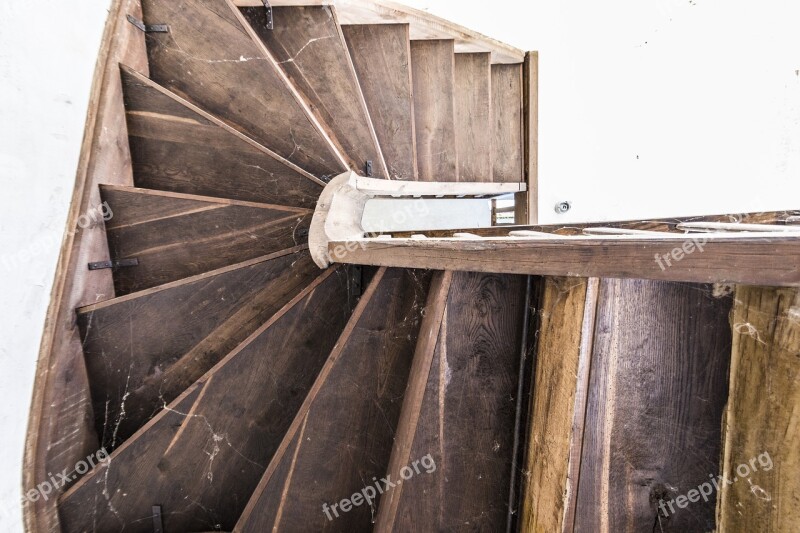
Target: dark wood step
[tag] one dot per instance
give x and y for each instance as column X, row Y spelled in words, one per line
column 341, row 440
column 175, row 146
column 308, row 45
column 460, row 412
column 381, row 54
column 211, row 57
column 202, row 456
column 174, row 236
column 474, row 132
column 507, row 131
column 143, row 350
column 433, row 75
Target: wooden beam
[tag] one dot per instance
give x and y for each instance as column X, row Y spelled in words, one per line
column 762, row 422
column 531, row 114
column 732, row 259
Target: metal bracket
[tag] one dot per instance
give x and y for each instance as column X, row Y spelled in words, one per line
column 270, row 23
column 148, row 28
column 158, row 523
column 100, row 265
column 368, row 169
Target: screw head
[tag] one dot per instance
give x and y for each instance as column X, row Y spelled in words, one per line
column 563, row 207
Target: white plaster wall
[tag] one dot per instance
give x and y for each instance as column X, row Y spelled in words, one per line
column 48, row 50
column 648, row 109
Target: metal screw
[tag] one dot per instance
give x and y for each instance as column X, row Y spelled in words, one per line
column 563, row 207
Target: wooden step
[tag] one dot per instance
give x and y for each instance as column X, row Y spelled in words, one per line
column 381, row 56
column 507, row 131
column 174, row 236
column 433, row 75
column 461, row 410
column 176, row 333
column 474, row 131
column 211, row 57
column 342, row 437
column 201, row 458
column 175, row 146
column 308, row 44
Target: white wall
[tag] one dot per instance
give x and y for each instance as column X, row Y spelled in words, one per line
column 48, row 50
column 648, row 109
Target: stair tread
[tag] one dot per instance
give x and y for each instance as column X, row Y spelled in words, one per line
column 308, row 45
column 507, row 148
column 465, row 414
column 473, row 112
column 342, row 436
column 381, row 57
column 180, row 332
column 210, row 57
column 176, row 147
column 174, row 235
column 433, row 75
column 201, row 457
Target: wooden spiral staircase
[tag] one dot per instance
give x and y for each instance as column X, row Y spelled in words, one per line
column 238, row 387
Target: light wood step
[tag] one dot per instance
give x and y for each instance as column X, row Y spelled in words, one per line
column 211, row 57
column 143, row 350
column 508, row 154
column 473, row 112
column 202, row 456
column 174, row 236
column 178, row 147
column 342, row 437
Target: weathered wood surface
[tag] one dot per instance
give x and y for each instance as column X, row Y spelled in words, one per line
column 473, row 112
column 343, row 434
column 433, row 75
column 177, row 148
column 175, row 236
column 59, row 432
column 467, row 414
column 531, row 124
column 657, row 392
column 563, row 354
column 211, row 57
column 144, row 349
column 308, row 45
column 381, row 55
column 229, row 424
column 508, row 155
column 762, row 426
column 746, row 260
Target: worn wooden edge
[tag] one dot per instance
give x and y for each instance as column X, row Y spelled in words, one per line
column 300, row 418
column 530, row 96
column 110, row 53
column 141, row 78
column 729, row 259
column 423, row 25
column 430, row 328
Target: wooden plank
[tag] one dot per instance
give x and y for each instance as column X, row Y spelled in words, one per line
column 176, row 333
column 176, row 235
column 761, row 419
column 381, row 56
column 467, row 414
column 657, row 391
column 59, row 434
column 203, row 475
column 175, row 148
column 531, row 125
column 433, row 75
column 764, row 260
column 563, row 354
column 308, row 45
column 343, row 434
column 508, row 154
column 211, row 57
column 473, row 112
